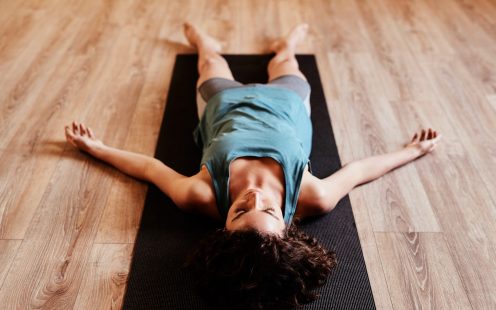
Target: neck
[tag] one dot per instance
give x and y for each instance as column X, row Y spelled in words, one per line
column 241, row 185
column 256, row 178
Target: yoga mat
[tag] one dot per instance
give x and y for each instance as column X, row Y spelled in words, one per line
column 167, row 235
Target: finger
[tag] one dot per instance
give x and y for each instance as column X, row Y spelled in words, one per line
column 435, row 134
column 422, row 135
column 90, row 133
column 82, row 128
column 429, row 134
column 437, row 139
column 69, row 136
column 68, row 132
column 75, row 127
column 414, row 137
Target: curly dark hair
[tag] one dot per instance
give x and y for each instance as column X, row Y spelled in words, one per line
column 253, row 270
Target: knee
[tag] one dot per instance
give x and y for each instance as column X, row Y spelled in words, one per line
column 283, row 60
column 212, row 61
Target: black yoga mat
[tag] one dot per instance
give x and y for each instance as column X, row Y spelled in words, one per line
column 167, row 235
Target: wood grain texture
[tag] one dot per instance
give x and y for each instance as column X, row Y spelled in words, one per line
column 361, row 101
column 371, row 251
column 389, row 68
column 108, row 267
column 59, row 238
column 459, row 207
column 420, row 264
column 18, row 197
column 491, row 99
column 122, row 214
column 8, row 251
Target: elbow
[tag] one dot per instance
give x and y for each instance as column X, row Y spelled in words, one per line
column 324, row 207
column 149, row 169
column 323, row 202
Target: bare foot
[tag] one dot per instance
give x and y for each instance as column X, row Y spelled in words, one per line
column 199, row 39
column 291, row 40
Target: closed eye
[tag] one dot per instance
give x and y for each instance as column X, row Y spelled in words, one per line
column 269, row 209
column 239, row 212
column 243, row 210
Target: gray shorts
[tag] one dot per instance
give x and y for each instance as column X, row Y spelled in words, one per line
column 212, row 86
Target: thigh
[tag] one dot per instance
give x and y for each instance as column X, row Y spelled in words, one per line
column 207, row 89
column 213, row 67
column 212, row 86
column 295, row 84
column 292, row 82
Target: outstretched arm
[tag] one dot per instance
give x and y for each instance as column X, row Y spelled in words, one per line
column 333, row 188
column 140, row 166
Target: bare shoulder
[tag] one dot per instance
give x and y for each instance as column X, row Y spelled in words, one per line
column 312, row 199
column 200, row 188
column 320, row 196
column 201, row 195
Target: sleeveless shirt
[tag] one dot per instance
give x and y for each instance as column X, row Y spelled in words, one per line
column 255, row 121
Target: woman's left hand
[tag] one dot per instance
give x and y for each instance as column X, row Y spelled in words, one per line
column 425, row 140
column 82, row 137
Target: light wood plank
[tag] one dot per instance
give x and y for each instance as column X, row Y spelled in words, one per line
column 28, row 64
column 416, row 25
column 421, row 266
column 476, row 55
column 358, row 106
column 368, row 242
column 59, row 237
column 38, row 133
column 463, row 209
column 475, row 121
column 492, row 101
column 480, row 13
column 105, row 277
column 464, row 30
column 49, row 271
column 124, row 206
column 393, row 54
column 18, row 197
column 8, row 251
column 122, row 214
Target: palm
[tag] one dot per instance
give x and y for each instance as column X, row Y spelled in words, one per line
column 81, row 137
column 424, row 140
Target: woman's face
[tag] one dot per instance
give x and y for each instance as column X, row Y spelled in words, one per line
column 255, row 210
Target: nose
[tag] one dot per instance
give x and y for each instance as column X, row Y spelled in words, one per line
column 255, row 199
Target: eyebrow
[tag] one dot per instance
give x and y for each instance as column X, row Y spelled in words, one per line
column 241, row 214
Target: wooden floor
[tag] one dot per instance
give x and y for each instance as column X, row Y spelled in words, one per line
column 389, row 67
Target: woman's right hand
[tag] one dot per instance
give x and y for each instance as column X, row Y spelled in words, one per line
column 82, row 137
column 425, row 140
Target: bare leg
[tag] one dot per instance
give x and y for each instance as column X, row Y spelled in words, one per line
column 284, row 62
column 210, row 63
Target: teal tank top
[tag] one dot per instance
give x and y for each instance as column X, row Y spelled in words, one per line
column 255, row 121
